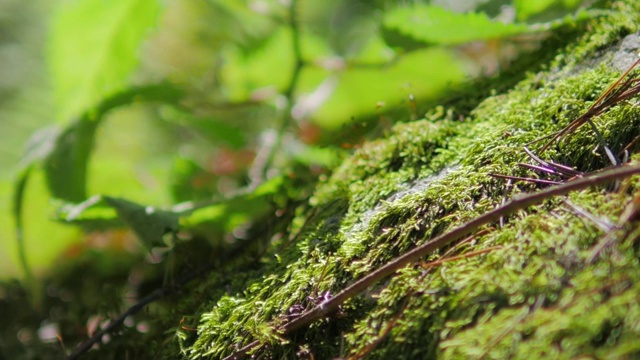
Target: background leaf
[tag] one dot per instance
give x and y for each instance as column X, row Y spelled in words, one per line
column 210, row 127
column 433, row 25
column 527, row 9
column 66, row 164
column 94, row 214
column 423, row 73
column 89, row 62
column 230, row 213
column 149, row 223
column 421, row 25
column 18, row 196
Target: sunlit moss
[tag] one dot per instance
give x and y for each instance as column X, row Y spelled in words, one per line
column 531, row 296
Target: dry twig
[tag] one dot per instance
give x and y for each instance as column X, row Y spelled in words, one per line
column 619, row 91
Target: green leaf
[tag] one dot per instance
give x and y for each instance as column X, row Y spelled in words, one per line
column 148, row 222
column 39, row 146
column 66, row 165
column 244, row 73
column 94, row 48
column 18, row 202
column 421, row 25
column 425, row 74
column 237, row 23
column 433, row 25
column 526, row 9
column 213, row 128
column 314, row 155
column 163, row 92
column 67, row 161
column 270, row 187
column 233, row 212
column 92, row 214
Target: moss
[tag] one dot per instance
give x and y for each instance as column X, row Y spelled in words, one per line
column 532, row 296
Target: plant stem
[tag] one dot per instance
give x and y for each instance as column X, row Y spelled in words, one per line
column 289, row 93
column 330, row 305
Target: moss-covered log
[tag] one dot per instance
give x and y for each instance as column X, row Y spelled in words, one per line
column 522, row 287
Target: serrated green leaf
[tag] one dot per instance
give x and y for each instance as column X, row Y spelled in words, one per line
column 104, row 212
column 421, row 25
column 149, row 223
column 94, row 49
column 433, row 25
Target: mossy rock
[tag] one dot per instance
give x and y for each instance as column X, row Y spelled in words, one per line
column 530, row 294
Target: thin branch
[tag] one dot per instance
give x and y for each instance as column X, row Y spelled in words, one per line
column 459, row 257
column 115, row 323
column 569, row 171
column 154, row 296
column 617, row 92
column 551, row 166
column 603, row 144
column 405, row 303
column 328, row 306
column 510, row 207
column 517, row 178
column 242, row 352
column 603, row 224
column 630, row 212
column 540, row 168
column 629, row 145
column 265, row 162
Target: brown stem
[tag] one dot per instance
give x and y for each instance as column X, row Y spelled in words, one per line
column 510, row 207
column 613, row 95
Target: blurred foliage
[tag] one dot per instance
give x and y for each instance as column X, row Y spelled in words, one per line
column 209, row 121
column 83, row 74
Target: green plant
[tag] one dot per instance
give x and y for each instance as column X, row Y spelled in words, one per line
column 237, row 99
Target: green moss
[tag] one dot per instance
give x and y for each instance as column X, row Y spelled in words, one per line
column 531, row 297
